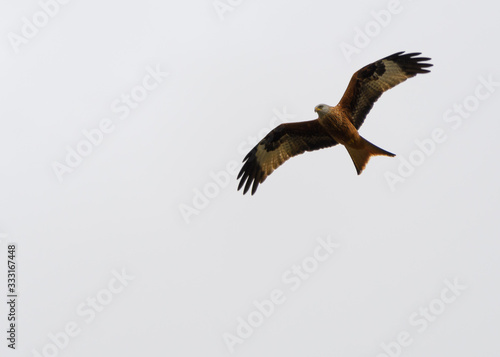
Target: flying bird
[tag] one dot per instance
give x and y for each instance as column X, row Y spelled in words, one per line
column 334, row 125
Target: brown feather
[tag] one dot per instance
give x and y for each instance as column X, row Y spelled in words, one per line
column 285, row 141
column 367, row 85
column 336, row 124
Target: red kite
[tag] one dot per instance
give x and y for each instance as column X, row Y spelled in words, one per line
column 334, row 125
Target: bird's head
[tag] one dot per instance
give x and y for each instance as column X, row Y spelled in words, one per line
column 322, row 109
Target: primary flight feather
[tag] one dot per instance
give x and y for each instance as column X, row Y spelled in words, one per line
column 334, row 125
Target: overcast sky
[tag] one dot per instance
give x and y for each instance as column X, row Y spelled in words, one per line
column 125, row 122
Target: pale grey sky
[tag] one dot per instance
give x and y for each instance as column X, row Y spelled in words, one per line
column 124, row 123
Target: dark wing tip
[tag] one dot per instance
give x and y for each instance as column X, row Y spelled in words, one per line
column 410, row 63
column 283, row 142
column 251, row 173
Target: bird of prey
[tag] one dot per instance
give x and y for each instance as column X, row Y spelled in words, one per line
column 334, row 125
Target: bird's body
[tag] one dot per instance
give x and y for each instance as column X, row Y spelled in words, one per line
column 337, row 122
column 334, row 125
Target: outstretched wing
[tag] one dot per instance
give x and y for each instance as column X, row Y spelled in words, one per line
column 368, row 84
column 285, row 141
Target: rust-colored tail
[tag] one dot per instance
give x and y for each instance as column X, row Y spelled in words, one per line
column 361, row 156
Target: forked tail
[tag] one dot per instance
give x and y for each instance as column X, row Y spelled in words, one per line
column 361, row 156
